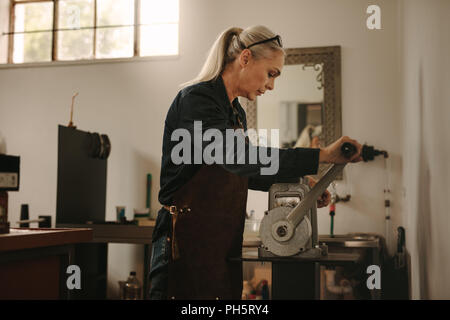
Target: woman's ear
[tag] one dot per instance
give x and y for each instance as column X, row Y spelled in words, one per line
column 245, row 57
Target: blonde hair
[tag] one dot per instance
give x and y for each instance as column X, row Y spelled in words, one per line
column 229, row 45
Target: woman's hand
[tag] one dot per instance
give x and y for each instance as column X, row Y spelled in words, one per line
column 333, row 153
column 324, row 199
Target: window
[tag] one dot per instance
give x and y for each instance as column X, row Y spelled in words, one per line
column 62, row 30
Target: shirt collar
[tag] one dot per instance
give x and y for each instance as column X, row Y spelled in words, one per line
column 234, row 112
column 219, row 87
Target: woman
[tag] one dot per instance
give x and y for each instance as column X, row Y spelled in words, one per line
column 202, row 219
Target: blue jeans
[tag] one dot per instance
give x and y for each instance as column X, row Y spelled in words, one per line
column 161, row 251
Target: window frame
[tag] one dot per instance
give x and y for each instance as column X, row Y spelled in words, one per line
column 54, row 53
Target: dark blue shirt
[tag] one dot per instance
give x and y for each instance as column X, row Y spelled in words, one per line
column 208, row 102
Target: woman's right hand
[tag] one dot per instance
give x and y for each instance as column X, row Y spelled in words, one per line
column 333, row 153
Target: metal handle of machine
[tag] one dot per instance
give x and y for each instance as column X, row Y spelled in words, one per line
column 297, row 214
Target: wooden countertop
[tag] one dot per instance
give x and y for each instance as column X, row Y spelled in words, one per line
column 29, row 238
column 116, row 233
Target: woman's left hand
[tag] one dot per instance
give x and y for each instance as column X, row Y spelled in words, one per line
column 324, row 199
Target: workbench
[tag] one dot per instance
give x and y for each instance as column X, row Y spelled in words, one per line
column 33, row 262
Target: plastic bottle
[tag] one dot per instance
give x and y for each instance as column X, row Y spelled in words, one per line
column 132, row 288
column 265, row 290
column 246, row 290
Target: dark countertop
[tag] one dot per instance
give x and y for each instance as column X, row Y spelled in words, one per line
column 29, row 238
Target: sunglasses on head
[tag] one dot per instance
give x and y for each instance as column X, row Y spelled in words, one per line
column 277, row 38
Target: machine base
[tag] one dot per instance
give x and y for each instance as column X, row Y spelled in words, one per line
column 313, row 253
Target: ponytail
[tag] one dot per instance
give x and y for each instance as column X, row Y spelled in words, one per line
column 229, row 45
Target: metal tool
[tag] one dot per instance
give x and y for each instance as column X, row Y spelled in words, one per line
column 71, row 125
column 289, row 228
column 43, row 222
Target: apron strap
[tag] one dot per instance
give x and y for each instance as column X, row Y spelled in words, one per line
column 173, row 210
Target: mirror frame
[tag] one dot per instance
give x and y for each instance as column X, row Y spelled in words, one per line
column 330, row 57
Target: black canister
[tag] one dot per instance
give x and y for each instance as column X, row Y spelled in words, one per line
column 24, row 215
column 4, row 224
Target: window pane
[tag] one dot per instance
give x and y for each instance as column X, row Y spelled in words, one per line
column 115, row 42
column 75, row 44
column 159, row 39
column 75, row 14
column 33, row 16
column 115, row 12
column 158, row 11
column 32, row 47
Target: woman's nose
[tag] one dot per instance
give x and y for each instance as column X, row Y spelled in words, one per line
column 271, row 84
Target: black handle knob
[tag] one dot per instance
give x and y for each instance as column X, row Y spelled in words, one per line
column 348, row 149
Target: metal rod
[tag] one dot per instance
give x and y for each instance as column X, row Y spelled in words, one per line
column 71, row 111
column 137, row 30
column 84, row 28
column 55, row 28
column 31, row 221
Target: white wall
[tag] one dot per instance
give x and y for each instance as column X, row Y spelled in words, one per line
column 129, row 101
column 426, row 109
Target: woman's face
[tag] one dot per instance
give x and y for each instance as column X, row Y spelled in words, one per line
column 258, row 75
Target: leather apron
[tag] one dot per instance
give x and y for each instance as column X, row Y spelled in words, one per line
column 207, row 229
